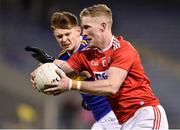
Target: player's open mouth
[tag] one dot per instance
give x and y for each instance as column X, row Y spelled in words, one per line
column 66, row 46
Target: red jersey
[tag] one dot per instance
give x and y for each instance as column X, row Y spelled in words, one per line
column 135, row 92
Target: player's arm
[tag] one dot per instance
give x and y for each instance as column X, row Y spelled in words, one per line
column 108, row 86
column 41, row 56
column 66, row 67
column 99, row 87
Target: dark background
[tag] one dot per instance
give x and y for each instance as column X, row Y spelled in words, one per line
column 153, row 27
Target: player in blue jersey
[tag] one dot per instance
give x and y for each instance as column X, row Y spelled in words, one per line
column 67, row 33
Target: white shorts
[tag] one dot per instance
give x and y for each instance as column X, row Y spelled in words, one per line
column 147, row 118
column 108, row 122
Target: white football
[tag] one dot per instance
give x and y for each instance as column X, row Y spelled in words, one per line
column 46, row 74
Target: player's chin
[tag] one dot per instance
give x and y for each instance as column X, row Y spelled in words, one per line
column 68, row 49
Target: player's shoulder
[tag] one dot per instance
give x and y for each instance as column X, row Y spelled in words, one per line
column 125, row 45
column 115, row 43
column 120, row 41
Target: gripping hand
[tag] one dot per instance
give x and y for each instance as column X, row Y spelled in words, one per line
column 39, row 54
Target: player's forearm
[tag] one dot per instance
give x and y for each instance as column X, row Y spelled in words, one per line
column 99, row 87
column 65, row 67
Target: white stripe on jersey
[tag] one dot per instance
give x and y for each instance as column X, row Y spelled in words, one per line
column 115, row 44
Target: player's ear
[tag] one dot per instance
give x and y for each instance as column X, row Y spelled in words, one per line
column 78, row 29
column 103, row 26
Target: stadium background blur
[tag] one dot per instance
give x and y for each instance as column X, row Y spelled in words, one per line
column 152, row 27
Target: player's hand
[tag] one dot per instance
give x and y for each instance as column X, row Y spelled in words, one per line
column 32, row 80
column 33, row 77
column 54, row 88
column 39, row 54
column 84, row 105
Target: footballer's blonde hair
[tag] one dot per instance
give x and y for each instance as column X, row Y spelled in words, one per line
column 63, row 20
column 96, row 11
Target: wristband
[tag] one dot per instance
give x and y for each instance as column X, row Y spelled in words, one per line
column 78, row 85
column 75, row 85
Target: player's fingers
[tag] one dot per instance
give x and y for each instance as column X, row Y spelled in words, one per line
column 34, row 55
column 34, row 72
column 60, row 73
column 31, row 48
column 32, row 75
column 27, row 48
column 51, row 89
column 33, row 84
column 40, row 64
column 50, row 85
column 32, row 80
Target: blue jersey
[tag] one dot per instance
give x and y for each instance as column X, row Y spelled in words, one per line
column 98, row 104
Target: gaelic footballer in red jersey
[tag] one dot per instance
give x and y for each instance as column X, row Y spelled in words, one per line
column 135, row 92
column 118, row 71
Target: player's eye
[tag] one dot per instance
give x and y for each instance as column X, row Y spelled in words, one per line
column 67, row 34
column 86, row 27
column 59, row 36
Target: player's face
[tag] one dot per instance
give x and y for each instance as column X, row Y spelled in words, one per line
column 68, row 39
column 92, row 28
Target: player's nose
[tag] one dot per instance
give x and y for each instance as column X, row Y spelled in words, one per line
column 64, row 38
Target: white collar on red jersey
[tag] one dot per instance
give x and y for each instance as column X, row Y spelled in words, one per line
column 114, row 42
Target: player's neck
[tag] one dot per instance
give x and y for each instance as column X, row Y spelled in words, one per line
column 106, row 40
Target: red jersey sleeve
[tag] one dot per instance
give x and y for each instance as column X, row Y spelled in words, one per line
column 124, row 56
